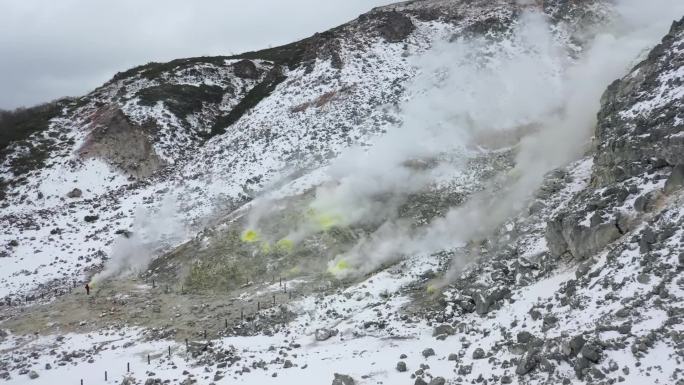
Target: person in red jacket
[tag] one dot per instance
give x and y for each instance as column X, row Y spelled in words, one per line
column 87, row 287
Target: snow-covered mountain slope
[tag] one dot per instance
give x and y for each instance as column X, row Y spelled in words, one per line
column 579, row 282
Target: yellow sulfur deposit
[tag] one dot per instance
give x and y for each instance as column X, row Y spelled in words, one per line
column 285, row 245
column 431, row 289
column 265, row 247
column 250, row 236
column 324, row 221
column 339, row 267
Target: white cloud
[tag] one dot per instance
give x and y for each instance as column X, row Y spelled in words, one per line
column 68, row 47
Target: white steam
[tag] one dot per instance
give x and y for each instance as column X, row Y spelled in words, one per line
column 154, row 231
column 526, row 80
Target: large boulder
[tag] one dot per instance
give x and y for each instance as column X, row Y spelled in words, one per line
column 246, row 69
column 395, row 27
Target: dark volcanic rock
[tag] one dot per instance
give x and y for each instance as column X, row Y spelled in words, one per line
column 343, row 379
column 395, row 26
column 75, row 193
column 246, row 69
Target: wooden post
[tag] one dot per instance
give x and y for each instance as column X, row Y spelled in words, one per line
column 226, row 322
column 285, row 287
column 153, row 284
column 128, row 367
column 186, row 344
column 169, row 351
column 280, row 281
column 242, row 314
column 258, row 305
column 205, row 334
column 148, row 359
column 81, row 381
column 273, row 299
column 105, row 375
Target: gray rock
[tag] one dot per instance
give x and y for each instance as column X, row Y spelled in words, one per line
column 527, row 363
column 506, row 380
column 401, row 366
column 246, row 69
column 395, row 26
column 524, row 337
column 324, row 334
column 75, row 193
column 581, row 366
column 343, row 379
column 287, row 364
column 453, row 357
column 549, row 322
column 444, row 329
column 33, row 375
column 428, row 352
column 437, row 381
column 591, row 352
column 676, row 179
column 420, row 381
column 464, row 370
column 478, row 354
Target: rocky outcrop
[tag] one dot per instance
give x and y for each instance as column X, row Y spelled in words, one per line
column 121, row 143
column 641, row 120
column 639, row 149
column 246, row 69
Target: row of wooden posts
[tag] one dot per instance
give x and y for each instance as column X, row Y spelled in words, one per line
column 58, row 292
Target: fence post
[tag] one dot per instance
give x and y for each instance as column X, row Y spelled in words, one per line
column 169, row 351
column 148, row 358
column 273, row 299
column 128, row 367
column 205, row 334
column 226, row 322
column 105, row 375
column 242, row 314
column 258, row 305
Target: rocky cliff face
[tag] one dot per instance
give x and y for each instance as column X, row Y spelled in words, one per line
column 583, row 284
column 638, row 155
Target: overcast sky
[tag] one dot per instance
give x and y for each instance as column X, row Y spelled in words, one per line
column 53, row 48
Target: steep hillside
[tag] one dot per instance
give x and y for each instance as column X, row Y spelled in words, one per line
column 422, row 195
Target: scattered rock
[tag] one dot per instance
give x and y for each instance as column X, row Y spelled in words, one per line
column 246, row 69
column 401, row 366
column 443, row 330
column 437, row 381
column 395, row 27
column 591, row 352
column 343, row 379
column 428, row 352
column 528, row 362
column 75, row 193
column 478, row 354
column 524, row 337
column 676, row 179
column 33, row 375
column 324, row 334
column 91, row 218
